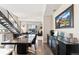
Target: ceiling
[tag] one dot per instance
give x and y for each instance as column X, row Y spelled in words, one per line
column 30, row 11
column 51, row 8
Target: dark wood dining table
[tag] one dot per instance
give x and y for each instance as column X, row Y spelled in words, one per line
column 22, row 45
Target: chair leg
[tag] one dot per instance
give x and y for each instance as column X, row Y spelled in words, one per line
column 14, row 47
column 35, row 48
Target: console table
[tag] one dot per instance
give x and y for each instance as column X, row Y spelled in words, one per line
column 67, row 48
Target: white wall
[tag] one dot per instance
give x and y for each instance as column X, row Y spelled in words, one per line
column 31, row 20
column 74, row 30
column 48, row 19
column 1, row 37
column 26, row 23
column 47, row 26
column 23, row 27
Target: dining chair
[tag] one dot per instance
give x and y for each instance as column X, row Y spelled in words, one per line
column 33, row 43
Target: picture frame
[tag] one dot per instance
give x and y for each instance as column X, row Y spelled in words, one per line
column 65, row 19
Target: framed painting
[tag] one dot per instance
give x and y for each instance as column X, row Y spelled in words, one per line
column 65, row 19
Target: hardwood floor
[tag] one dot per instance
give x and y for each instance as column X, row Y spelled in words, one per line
column 44, row 50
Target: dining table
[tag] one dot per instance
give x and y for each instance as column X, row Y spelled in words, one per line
column 21, row 43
